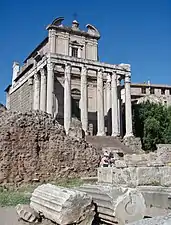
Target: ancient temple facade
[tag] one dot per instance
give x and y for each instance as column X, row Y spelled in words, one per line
column 63, row 77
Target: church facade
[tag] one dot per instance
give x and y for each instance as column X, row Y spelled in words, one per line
column 63, row 77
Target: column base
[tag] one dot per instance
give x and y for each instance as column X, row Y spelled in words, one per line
column 128, row 135
column 101, row 134
column 115, row 135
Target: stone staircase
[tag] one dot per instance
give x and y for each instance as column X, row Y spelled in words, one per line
column 108, row 142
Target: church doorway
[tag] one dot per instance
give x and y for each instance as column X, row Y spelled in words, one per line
column 75, row 102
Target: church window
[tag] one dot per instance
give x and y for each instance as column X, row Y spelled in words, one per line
column 75, row 52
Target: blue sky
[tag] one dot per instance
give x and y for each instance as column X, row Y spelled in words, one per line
column 132, row 31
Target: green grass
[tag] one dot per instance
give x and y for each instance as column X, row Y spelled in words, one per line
column 21, row 195
column 69, row 183
column 12, row 198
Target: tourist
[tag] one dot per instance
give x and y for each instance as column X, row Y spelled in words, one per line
column 105, row 160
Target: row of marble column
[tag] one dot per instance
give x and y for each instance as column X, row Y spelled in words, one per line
column 44, row 94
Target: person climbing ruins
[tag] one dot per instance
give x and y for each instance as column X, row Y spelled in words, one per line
column 105, row 160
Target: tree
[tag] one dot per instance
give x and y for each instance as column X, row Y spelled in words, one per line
column 152, row 123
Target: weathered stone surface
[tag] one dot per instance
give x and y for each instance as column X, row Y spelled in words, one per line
column 75, row 129
column 120, row 164
column 164, row 153
column 116, row 204
column 35, row 147
column 135, row 159
column 160, row 220
column 134, row 143
column 133, row 176
column 105, row 175
column 63, row 206
column 26, row 213
column 148, row 176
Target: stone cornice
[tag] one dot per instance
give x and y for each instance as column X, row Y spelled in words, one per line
column 121, row 69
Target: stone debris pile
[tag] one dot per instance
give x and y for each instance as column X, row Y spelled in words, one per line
column 34, row 147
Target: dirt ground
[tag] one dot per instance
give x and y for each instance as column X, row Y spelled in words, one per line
column 8, row 216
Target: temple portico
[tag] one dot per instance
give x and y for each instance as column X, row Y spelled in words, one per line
column 64, row 78
column 104, row 76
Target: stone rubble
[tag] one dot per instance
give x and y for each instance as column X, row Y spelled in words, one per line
column 34, row 147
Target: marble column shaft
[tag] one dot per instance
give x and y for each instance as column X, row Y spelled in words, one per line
column 43, row 90
column 108, row 101
column 67, row 98
column 100, row 104
column 128, row 107
column 119, row 105
column 115, row 127
column 50, row 87
column 84, row 100
column 36, row 92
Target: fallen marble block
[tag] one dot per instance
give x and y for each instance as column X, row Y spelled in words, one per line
column 26, row 213
column 159, row 220
column 116, row 204
column 63, row 206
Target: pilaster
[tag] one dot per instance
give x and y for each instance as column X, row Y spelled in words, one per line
column 36, row 104
column 43, row 87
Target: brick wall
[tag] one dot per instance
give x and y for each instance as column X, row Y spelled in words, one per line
column 21, row 99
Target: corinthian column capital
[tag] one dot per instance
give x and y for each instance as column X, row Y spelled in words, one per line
column 108, row 78
column 36, row 76
column 114, row 75
column 84, row 70
column 68, row 68
column 128, row 77
column 50, row 66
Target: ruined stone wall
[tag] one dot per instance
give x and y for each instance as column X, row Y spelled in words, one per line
column 134, row 170
column 21, row 99
column 34, row 147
